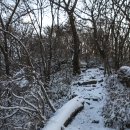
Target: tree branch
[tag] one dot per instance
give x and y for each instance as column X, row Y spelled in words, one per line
column 17, row 39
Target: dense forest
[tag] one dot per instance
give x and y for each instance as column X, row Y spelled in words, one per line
column 45, row 44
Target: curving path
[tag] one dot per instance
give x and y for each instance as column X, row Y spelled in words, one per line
column 90, row 86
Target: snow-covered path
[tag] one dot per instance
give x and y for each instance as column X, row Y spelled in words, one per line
column 90, row 86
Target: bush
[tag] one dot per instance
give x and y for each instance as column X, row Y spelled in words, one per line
column 117, row 109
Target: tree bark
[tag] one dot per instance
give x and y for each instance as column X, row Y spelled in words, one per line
column 76, row 44
column 6, row 56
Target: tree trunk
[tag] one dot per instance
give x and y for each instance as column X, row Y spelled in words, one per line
column 76, row 44
column 116, row 55
column 7, row 66
column 6, row 56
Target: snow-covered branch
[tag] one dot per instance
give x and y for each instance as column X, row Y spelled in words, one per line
column 18, row 107
column 46, row 96
column 8, row 116
column 20, row 42
column 31, row 105
column 28, row 103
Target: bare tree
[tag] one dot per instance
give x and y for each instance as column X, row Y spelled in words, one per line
column 69, row 7
column 97, row 17
column 5, row 26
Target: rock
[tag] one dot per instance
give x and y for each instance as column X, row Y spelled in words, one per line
column 88, row 103
column 93, row 85
column 101, row 68
column 87, row 98
column 95, row 121
column 123, row 75
column 95, row 99
column 74, row 95
column 100, row 81
column 93, row 77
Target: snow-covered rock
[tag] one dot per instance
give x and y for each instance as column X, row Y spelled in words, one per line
column 124, row 75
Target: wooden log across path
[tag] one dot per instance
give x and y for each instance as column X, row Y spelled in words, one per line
column 65, row 114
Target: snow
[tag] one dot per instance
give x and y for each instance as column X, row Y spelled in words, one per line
column 20, row 79
column 60, row 117
column 22, row 83
column 19, row 73
column 90, row 117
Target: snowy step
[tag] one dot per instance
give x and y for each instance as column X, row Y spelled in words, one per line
column 86, row 83
column 89, row 82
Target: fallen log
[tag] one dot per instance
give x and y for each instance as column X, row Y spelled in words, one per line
column 64, row 115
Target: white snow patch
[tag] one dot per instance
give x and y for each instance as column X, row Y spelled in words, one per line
column 22, row 82
column 19, row 73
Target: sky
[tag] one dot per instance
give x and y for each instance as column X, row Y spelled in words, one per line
column 47, row 18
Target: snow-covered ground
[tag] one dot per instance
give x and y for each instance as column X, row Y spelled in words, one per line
column 91, row 87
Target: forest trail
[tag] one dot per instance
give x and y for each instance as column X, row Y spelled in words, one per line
column 90, row 86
